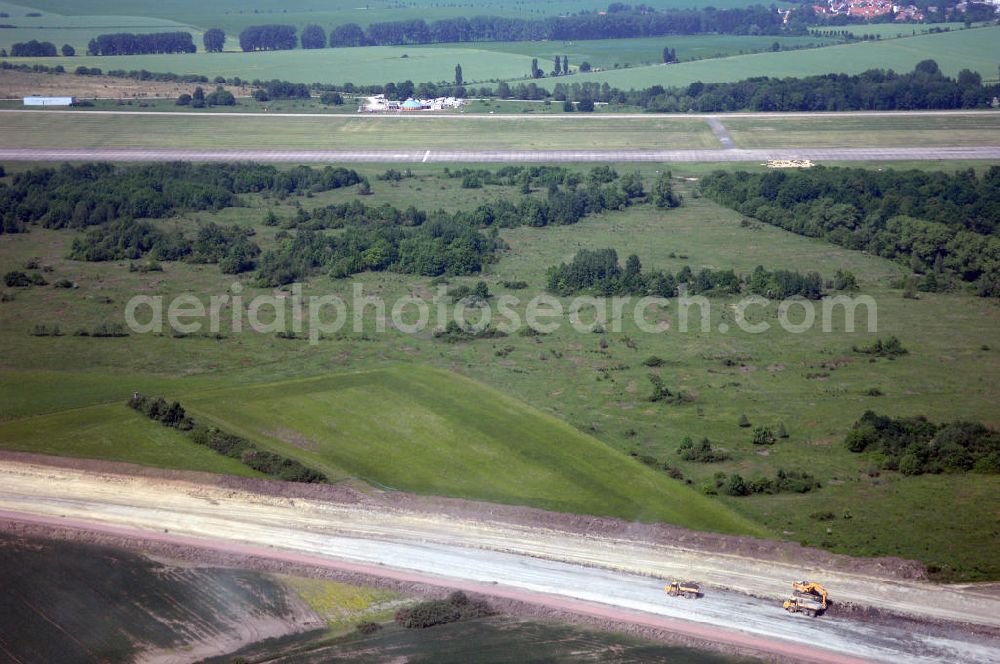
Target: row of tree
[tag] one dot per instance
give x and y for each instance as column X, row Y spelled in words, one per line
column 126, row 43
column 634, row 22
column 268, row 38
column 938, row 223
column 273, row 465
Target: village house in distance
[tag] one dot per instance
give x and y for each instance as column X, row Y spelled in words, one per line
column 379, row 104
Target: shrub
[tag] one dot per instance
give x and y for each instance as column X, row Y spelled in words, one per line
column 654, row 361
column 18, row 279
column 702, row 452
column 763, row 436
column 428, row 614
column 744, row 421
column 889, row 347
column 368, row 627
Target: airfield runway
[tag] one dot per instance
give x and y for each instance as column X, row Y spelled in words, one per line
column 515, row 156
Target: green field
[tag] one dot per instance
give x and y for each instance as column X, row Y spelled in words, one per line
column 607, row 53
column 368, row 65
column 976, row 49
column 567, row 376
column 115, row 433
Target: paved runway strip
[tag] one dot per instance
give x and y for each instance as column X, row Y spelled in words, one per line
column 514, row 156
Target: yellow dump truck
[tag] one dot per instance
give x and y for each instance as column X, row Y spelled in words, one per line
column 683, row 589
column 808, row 597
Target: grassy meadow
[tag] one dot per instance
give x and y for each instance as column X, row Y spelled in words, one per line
column 349, row 402
column 348, row 132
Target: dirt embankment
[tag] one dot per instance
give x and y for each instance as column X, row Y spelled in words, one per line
column 590, row 526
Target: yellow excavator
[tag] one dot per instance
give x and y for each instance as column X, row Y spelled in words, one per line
column 808, row 597
column 683, row 589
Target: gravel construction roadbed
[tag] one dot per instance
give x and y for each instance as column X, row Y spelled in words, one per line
column 619, row 574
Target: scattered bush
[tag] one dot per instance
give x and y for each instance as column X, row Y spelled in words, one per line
column 368, row 627
column 18, row 279
column 702, row 452
column 889, row 347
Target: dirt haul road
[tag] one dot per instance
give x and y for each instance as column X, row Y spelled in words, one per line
column 613, row 577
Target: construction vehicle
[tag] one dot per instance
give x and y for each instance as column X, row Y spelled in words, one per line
column 686, row 589
column 808, row 597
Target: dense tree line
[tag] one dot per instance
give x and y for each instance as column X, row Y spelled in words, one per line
column 599, row 272
column 913, row 445
column 631, row 22
column 33, row 49
column 126, row 43
column 874, row 90
column 127, row 239
column 268, row 38
column 439, row 246
column 274, row 465
column 275, row 89
column 92, row 194
column 942, row 225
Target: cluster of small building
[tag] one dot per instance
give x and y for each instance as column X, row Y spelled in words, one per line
column 379, row 104
column 869, row 9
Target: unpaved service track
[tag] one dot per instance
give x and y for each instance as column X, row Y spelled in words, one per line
column 491, row 156
column 619, row 578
